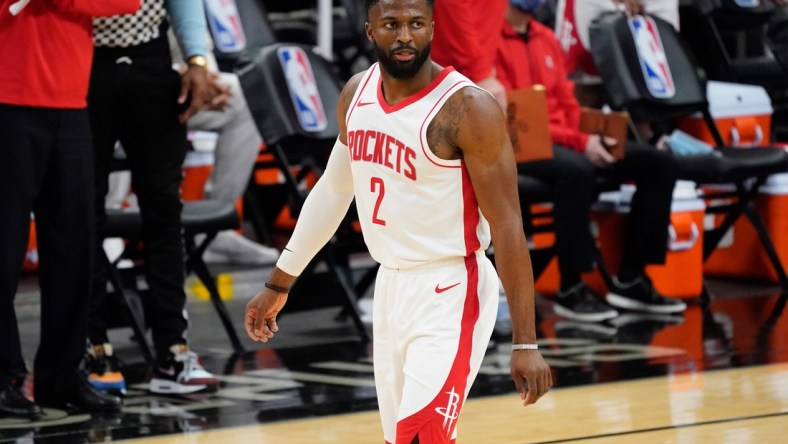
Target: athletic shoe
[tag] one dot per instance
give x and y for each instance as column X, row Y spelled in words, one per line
column 230, row 247
column 182, row 374
column 580, row 304
column 640, row 295
column 104, row 370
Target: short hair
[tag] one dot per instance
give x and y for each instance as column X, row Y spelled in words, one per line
column 368, row 4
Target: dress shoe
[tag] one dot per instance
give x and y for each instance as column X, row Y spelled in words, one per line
column 84, row 399
column 14, row 403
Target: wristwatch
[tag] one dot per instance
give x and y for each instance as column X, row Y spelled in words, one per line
column 198, row 60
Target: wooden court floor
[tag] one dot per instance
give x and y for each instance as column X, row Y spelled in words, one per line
column 735, row 406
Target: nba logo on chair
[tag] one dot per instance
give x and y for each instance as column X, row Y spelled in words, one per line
column 303, row 88
column 225, row 22
column 651, row 54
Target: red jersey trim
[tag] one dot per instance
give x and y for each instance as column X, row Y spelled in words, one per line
column 388, row 109
column 471, row 214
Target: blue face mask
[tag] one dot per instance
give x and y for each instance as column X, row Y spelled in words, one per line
column 529, row 6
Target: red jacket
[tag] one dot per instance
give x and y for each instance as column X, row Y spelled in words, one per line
column 466, row 35
column 46, row 51
column 523, row 62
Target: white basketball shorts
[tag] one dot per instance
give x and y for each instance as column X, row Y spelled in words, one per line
column 431, row 328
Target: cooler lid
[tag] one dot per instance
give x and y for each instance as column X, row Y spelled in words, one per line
column 776, row 184
column 728, row 100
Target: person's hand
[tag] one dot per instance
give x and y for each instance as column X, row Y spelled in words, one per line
column 218, row 93
column 261, row 311
column 596, row 151
column 194, row 82
column 531, row 375
column 632, row 7
column 494, row 87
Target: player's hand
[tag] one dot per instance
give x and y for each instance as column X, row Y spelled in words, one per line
column 531, row 375
column 596, row 151
column 194, row 82
column 632, row 7
column 261, row 311
column 496, row 88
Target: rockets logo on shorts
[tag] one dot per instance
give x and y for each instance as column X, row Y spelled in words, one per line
column 303, row 88
column 225, row 22
column 450, row 412
column 653, row 62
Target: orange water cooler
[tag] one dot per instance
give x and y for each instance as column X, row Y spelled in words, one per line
column 743, row 114
column 682, row 274
column 740, row 253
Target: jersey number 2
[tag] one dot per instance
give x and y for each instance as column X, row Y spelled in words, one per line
column 376, row 186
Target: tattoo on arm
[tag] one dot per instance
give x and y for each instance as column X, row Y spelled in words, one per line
column 445, row 127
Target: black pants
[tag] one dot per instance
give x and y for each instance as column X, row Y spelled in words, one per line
column 133, row 99
column 572, row 178
column 46, row 168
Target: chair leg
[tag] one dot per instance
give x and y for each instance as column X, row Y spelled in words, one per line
column 196, row 264
column 350, row 297
column 134, row 307
column 768, row 245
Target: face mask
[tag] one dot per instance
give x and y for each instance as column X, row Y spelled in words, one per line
column 529, row 6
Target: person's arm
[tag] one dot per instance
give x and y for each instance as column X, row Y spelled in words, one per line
column 323, row 211
column 488, row 155
column 98, row 8
column 189, row 24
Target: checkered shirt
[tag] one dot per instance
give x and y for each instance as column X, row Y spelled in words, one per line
column 122, row 31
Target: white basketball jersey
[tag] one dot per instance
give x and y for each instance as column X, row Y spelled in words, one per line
column 414, row 207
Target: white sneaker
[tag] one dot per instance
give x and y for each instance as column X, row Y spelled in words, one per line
column 183, row 374
column 229, row 247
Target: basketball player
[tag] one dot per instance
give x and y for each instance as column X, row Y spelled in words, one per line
column 426, row 154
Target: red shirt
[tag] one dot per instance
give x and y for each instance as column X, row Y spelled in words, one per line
column 46, row 51
column 522, row 62
column 466, row 35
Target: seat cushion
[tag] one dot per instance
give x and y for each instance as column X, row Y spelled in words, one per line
column 732, row 164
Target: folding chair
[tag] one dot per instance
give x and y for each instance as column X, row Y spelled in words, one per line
column 614, row 51
column 200, row 218
column 727, row 38
column 292, row 94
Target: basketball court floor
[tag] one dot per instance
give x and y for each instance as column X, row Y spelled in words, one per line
column 717, row 374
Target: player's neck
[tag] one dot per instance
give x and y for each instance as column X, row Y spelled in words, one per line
column 397, row 90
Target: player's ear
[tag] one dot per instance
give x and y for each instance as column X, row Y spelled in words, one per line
column 432, row 29
column 368, row 32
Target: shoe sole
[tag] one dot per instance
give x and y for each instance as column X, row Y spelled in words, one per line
column 596, row 317
column 631, row 304
column 166, row 387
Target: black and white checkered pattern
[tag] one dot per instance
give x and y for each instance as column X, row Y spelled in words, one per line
column 122, row 31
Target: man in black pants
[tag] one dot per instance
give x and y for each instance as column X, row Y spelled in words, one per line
column 529, row 54
column 136, row 98
column 47, row 169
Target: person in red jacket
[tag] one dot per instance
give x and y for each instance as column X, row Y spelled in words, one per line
column 529, row 54
column 466, row 37
column 46, row 169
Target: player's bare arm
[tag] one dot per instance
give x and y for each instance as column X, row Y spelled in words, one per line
column 471, row 126
column 344, row 102
column 335, row 190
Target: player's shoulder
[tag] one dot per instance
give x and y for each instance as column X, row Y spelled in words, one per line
column 349, row 90
column 472, row 105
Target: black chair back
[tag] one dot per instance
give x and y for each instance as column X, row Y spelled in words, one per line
column 676, row 88
column 239, row 29
column 292, row 93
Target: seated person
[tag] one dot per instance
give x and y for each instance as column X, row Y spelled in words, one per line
column 237, row 146
column 529, row 54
